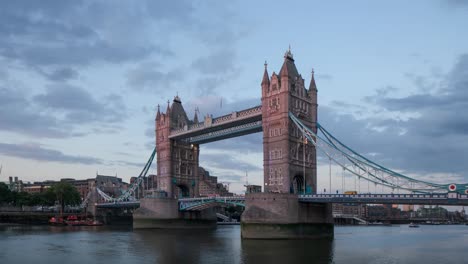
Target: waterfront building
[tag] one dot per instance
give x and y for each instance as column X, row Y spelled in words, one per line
column 209, row 186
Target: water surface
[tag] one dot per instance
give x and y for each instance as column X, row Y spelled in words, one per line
column 376, row 244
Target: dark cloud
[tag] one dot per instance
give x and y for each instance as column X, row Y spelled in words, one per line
column 60, row 74
column 18, row 115
column 62, row 111
column 456, row 3
column 433, row 140
column 152, row 78
column 219, row 62
column 54, row 37
column 79, row 106
column 226, row 161
column 37, row 152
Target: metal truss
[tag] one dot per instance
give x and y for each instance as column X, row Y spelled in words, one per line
column 361, row 167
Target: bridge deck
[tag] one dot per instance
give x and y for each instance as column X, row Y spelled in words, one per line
column 201, row 203
column 420, row 199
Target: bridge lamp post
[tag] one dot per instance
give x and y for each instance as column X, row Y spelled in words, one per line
column 304, row 170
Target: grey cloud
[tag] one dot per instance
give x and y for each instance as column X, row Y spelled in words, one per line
column 128, row 163
column 63, row 34
column 80, row 106
column 62, row 111
column 218, row 62
column 61, row 74
column 18, row 115
column 37, row 152
column 435, row 141
column 149, row 77
column 226, row 161
column 456, row 3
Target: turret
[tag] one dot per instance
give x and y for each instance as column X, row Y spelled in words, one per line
column 195, row 118
column 288, row 72
column 158, row 114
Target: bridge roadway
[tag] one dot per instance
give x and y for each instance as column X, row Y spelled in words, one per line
column 197, row 204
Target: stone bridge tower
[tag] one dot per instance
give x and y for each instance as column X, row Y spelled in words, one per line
column 287, row 160
column 177, row 161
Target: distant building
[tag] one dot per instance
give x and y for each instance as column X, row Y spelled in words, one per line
column 209, row 186
column 253, row 188
column 16, row 185
column 408, row 207
column 359, row 210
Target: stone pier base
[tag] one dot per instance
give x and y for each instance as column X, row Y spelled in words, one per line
column 163, row 213
column 282, row 216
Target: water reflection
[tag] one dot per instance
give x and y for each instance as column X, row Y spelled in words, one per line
column 225, row 246
column 288, row 251
column 187, row 246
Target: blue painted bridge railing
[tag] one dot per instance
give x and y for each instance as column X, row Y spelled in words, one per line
column 421, row 199
column 197, row 204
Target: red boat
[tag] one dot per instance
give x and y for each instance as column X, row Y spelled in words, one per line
column 74, row 220
column 57, row 221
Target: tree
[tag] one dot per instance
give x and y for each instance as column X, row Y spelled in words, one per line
column 65, row 194
column 5, row 193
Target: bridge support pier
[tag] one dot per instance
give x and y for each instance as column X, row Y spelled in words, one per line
column 163, row 213
column 282, row 216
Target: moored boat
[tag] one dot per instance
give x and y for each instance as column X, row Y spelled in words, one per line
column 413, row 225
column 57, row 221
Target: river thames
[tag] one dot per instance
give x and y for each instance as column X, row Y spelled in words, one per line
column 352, row 244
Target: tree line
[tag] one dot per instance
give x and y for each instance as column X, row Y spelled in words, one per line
column 61, row 193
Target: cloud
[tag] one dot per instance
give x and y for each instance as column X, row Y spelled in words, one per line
column 61, row 111
column 59, row 74
column 226, row 161
column 54, row 39
column 218, row 62
column 433, row 141
column 79, row 106
column 18, row 115
column 456, row 3
column 151, row 77
column 37, row 152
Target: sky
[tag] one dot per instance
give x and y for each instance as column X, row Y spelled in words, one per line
column 80, row 81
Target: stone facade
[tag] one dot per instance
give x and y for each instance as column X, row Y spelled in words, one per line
column 285, row 156
column 177, row 161
column 209, row 186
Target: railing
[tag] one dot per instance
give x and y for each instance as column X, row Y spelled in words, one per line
column 254, row 111
column 192, row 204
column 441, row 199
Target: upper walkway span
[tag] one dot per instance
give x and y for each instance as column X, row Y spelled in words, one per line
column 235, row 124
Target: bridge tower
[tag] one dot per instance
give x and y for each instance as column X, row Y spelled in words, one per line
column 289, row 162
column 177, row 161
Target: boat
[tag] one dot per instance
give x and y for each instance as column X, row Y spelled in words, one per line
column 57, row 221
column 413, row 225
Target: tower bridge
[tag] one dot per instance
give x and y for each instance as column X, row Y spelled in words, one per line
column 289, row 206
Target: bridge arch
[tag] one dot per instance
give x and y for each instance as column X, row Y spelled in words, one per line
column 298, row 184
column 182, row 190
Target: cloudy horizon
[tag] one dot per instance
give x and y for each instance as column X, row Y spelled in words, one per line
column 80, row 81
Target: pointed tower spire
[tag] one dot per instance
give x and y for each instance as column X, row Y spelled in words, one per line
column 195, row 118
column 168, row 107
column 289, row 68
column 312, row 86
column 158, row 114
column 266, row 79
